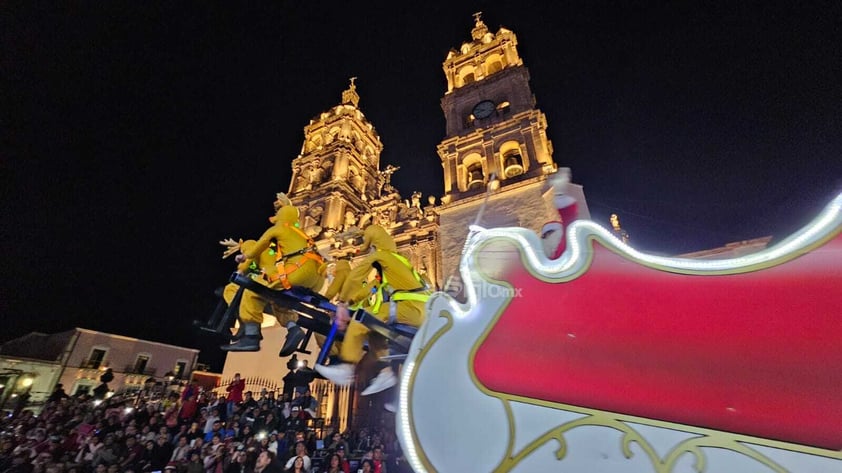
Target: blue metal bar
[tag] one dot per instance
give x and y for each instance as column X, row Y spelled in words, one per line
column 325, row 351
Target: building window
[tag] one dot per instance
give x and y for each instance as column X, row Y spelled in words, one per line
column 476, row 179
column 82, row 387
column 180, row 369
column 512, row 163
column 96, row 358
column 141, row 363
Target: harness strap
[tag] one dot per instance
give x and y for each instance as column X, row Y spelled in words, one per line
column 398, row 296
column 285, row 269
column 419, row 294
column 311, row 244
column 289, row 268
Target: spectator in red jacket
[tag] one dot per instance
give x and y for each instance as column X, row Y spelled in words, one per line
column 191, row 390
column 188, row 410
column 235, row 393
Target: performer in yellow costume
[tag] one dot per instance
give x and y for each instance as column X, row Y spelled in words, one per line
column 251, row 304
column 337, row 273
column 399, row 296
column 341, row 270
column 297, row 263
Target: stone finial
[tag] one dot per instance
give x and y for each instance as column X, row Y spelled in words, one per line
column 479, row 27
column 350, row 95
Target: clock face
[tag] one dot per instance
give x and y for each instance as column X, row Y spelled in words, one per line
column 484, row 109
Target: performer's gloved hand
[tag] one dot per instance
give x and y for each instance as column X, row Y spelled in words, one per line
column 343, row 316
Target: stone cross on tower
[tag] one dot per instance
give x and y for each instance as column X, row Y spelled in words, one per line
column 479, row 27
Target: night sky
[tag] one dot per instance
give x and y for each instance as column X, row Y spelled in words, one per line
column 135, row 136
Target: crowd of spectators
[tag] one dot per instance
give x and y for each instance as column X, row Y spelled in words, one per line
column 187, row 431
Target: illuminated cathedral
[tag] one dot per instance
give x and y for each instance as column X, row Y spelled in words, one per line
column 495, row 135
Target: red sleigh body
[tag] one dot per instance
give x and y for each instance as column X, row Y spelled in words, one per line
column 732, row 363
column 756, row 353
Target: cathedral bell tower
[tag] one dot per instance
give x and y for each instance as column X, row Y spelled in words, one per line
column 493, row 128
column 492, row 123
column 337, row 173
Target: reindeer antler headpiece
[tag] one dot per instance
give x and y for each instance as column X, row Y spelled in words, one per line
column 281, row 200
column 232, row 247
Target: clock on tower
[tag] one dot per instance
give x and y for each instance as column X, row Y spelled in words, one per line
column 484, row 109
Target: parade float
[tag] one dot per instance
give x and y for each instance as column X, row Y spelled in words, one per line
column 604, row 358
column 612, row 360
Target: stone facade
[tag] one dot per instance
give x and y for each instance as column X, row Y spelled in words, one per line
column 493, row 129
column 340, row 188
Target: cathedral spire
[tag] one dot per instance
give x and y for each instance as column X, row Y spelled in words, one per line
column 479, row 27
column 350, row 95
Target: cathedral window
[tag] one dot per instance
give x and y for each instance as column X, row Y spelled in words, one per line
column 467, row 74
column 511, row 158
column 512, row 163
column 476, row 178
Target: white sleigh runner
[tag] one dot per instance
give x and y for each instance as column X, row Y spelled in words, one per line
column 611, row 360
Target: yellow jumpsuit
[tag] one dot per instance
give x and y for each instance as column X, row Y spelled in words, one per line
column 341, row 270
column 251, row 304
column 300, row 270
column 396, row 272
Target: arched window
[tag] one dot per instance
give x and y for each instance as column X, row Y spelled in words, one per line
column 476, row 178
column 513, row 163
column 333, row 135
column 493, row 63
column 466, row 75
column 512, row 159
column 358, row 141
column 471, row 172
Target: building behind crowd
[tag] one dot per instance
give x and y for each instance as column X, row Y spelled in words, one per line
column 35, row 363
